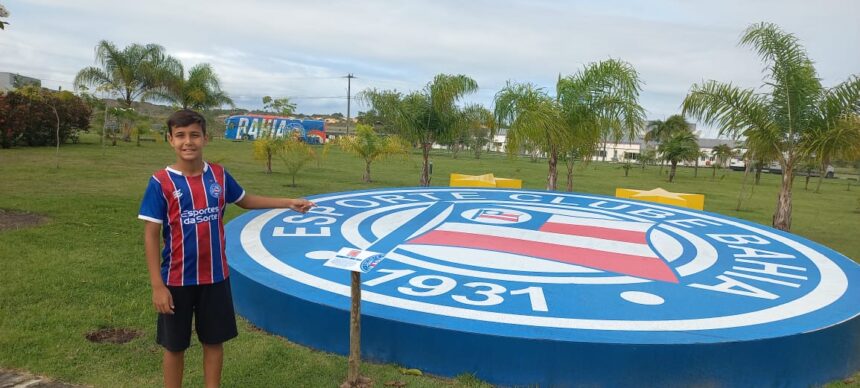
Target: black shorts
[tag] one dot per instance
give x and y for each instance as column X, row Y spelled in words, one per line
column 211, row 305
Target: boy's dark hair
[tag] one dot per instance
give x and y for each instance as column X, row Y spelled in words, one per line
column 184, row 118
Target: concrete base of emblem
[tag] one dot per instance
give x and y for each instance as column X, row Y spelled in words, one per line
column 800, row 360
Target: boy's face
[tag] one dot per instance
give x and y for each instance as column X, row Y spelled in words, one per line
column 188, row 142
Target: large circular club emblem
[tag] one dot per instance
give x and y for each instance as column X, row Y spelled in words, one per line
column 550, row 265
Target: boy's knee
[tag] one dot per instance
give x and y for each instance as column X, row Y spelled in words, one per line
column 171, row 353
column 213, row 347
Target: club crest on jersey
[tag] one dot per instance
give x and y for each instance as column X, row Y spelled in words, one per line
column 215, row 190
column 564, row 262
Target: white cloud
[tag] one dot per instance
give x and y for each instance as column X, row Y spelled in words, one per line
column 301, row 49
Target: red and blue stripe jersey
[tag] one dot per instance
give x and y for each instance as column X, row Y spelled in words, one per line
column 190, row 210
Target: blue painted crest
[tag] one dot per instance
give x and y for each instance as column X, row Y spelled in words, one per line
column 557, row 279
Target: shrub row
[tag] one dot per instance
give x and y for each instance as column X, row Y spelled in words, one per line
column 30, row 116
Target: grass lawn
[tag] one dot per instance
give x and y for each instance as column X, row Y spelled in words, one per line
column 84, row 269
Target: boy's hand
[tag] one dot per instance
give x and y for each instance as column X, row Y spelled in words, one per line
column 162, row 300
column 301, row 205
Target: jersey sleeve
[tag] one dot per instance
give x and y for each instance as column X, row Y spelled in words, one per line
column 234, row 192
column 153, row 207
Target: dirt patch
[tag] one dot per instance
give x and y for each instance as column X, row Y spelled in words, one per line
column 14, row 378
column 113, row 335
column 15, row 220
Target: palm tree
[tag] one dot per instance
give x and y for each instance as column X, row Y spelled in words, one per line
column 423, row 117
column 201, row 90
column 368, row 145
column 660, row 131
column 533, row 118
column 722, row 153
column 132, row 73
column 680, row 147
column 841, row 141
column 480, row 127
column 135, row 72
column 793, row 105
column 599, row 101
column 647, row 156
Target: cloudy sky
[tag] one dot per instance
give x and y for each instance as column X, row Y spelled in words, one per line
column 302, row 49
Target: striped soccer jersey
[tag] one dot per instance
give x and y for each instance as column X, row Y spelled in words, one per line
column 190, row 210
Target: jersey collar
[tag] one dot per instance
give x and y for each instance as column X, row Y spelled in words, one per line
column 177, row 172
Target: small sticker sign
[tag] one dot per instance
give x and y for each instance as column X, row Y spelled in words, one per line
column 356, row 260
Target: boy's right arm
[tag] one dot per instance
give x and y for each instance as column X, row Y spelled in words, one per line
column 161, row 298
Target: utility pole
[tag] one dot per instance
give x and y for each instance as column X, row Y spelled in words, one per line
column 349, row 78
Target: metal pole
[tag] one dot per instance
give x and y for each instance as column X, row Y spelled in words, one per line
column 349, row 78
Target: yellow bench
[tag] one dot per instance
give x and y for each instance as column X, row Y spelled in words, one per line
column 486, row 180
column 659, row 195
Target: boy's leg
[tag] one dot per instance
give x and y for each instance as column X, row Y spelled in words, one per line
column 173, row 365
column 213, row 359
column 173, row 332
column 216, row 323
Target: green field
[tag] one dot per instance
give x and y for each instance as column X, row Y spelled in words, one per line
column 84, row 269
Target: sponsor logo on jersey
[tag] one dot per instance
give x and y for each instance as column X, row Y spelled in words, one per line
column 197, row 216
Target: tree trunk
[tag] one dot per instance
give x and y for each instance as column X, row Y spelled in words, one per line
column 57, row 116
column 604, row 150
column 354, row 331
column 782, row 216
column 294, row 180
column 552, row 176
column 821, row 171
column 695, row 169
column 367, row 171
column 672, row 172
column 425, row 169
column 569, row 166
column 743, row 186
column 713, row 172
column 268, row 162
column 758, row 167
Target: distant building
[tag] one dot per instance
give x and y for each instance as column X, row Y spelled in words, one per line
column 630, row 150
column 9, row 81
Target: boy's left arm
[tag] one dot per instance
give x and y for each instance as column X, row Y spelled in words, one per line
column 250, row 201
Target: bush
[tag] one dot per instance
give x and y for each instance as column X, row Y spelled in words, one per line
column 28, row 116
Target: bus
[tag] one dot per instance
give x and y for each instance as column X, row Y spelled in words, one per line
column 251, row 127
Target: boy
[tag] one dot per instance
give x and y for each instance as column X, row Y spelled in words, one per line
column 185, row 202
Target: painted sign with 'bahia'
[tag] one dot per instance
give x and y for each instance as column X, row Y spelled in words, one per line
column 611, row 286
